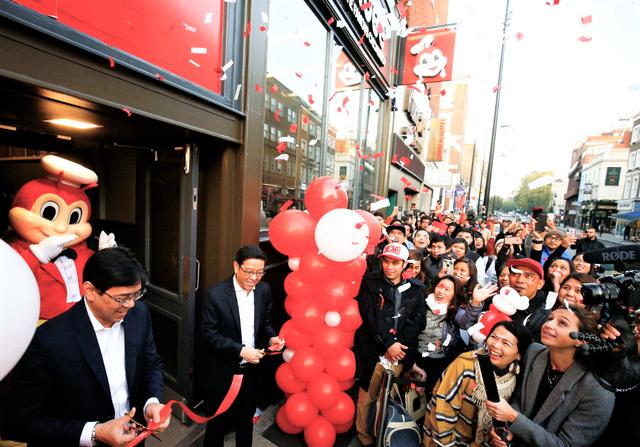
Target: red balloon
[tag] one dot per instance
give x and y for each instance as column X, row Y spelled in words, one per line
column 292, row 232
column 337, row 292
column 320, row 433
column 314, row 268
column 375, row 232
column 342, row 366
column 323, row 391
column 299, row 410
column 290, row 304
column 351, row 270
column 287, row 381
column 285, row 425
column 342, row 411
column 343, row 428
column 293, row 338
column 308, row 316
column 350, row 318
column 328, row 340
column 349, row 337
column 307, row 365
column 346, row 384
column 297, row 287
column 323, row 195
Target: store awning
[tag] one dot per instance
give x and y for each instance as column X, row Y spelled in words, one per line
column 627, row 216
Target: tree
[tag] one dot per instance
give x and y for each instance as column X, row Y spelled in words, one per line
column 527, row 198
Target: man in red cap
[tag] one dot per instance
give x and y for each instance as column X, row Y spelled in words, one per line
column 393, row 315
column 527, row 277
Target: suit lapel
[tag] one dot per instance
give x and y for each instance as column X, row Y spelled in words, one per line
column 129, row 352
column 556, row 397
column 538, row 367
column 233, row 305
column 88, row 344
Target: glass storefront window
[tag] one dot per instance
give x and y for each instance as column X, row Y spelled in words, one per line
column 371, row 154
column 295, row 82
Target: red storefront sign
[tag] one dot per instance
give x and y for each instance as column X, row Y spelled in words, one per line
column 428, row 56
column 184, row 38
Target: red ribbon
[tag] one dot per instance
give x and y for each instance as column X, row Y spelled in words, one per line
column 165, row 412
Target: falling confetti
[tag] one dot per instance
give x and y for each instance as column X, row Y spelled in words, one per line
column 361, row 39
column 365, row 6
column 362, row 167
column 495, row 88
column 208, row 18
column 258, row 88
column 313, row 142
column 341, row 24
column 286, row 205
column 191, row 29
column 287, row 139
column 265, row 17
column 276, row 115
column 248, row 30
column 310, row 99
column 112, row 63
column 198, row 50
column 585, row 19
column 519, row 36
column 307, row 43
column 293, row 128
column 330, row 21
column 305, row 119
column 584, row 39
column 281, row 147
column 553, row 2
column 282, row 157
column 160, row 77
column 345, row 100
column 274, row 88
column 227, row 66
column 405, row 161
column 332, row 96
column 192, row 62
column 443, row 92
column 127, row 111
column 298, row 74
column 263, row 28
column 237, row 95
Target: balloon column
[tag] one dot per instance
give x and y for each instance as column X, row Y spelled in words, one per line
column 325, row 245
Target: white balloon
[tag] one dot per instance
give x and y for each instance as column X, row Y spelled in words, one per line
column 332, row 319
column 19, row 307
column 294, row 264
column 287, row 355
column 342, row 235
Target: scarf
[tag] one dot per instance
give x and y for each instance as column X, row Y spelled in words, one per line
column 506, row 384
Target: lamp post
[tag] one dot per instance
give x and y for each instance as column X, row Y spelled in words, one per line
column 487, row 189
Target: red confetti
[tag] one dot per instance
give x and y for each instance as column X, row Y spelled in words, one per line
column 425, row 189
column 112, row 63
column 330, row 21
column 345, row 100
column 365, row 6
column 405, row 181
column 332, row 96
column 310, row 99
column 258, row 88
column 339, row 109
column 495, row 88
column 585, row 19
column 394, row 159
column 362, row 167
column 361, row 39
column 357, row 146
column 281, row 147
column 403, row 11
column 519, row 36
column 366, row 76
column 160, row 77
column 584, row 39
column 263, row 28
column 371, row 103
column 127, row 111
column 286, row 205
column 305, row 119
column 218, row 70
column 553, row 2
column 380, row 28
column 378, row 154
column 276, row 115
column 443, row 92
column 406, row 161
column 307, row 43
column 274, row 88
column 293, row 128
column 248, row 30
column 298, row 74
column 359, row 225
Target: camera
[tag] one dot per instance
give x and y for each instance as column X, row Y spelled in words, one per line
column 623, row 289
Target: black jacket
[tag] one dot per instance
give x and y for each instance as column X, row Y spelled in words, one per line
column 222, row 337
column 384, row 322
column 586, row 245
column 61, row 383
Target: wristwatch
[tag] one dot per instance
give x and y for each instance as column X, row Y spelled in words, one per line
column 94, row 440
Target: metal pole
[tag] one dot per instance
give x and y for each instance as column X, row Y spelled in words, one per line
column 487, row 189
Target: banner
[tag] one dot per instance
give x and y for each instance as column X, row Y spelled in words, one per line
column 428, row 56
column 436, row 140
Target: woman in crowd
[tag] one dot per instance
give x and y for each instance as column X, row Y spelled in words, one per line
column 581, row 266
column 459, row 397
column 421, row 241
column 503, row 276
column 414, row 266
column 560, row 401
column 440, row 341
column 485, row 263
column 570, row 291
column 555, row 271
column 465, row 271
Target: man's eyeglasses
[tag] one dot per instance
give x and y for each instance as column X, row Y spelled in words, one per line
column 555, row 238
column 259, row 273
column 121, row 299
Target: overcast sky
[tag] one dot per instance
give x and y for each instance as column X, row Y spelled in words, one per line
column 556, row 90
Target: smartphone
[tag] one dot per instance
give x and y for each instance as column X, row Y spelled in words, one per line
column 448, row 265
column 513, row 240
column 541, row 223
column 535, row 212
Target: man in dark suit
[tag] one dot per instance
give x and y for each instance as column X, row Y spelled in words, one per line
column 236, row 329
column 88, row 371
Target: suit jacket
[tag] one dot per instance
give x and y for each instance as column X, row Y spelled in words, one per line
column 61, row 382
column 575, row 413
column 53, row 290
column 222, row 336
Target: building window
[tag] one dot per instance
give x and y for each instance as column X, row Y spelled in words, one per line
column 266, row 131
column 274, row 104
column 273, row 135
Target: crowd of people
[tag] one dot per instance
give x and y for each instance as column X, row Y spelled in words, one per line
column 554, row 389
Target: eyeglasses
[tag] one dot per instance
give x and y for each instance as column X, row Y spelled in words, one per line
column 121, row 299
column 555, row 238
column 258, row 274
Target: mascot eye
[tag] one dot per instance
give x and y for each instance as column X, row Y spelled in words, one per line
column 49, row 210
column 75, row 216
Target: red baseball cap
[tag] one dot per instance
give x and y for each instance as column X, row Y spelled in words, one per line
column 526, row 262
column 395, row 251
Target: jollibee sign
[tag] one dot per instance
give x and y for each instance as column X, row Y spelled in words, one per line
column 428, row 56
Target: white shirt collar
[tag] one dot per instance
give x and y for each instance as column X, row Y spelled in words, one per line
column 239, row 289
column 97, row 326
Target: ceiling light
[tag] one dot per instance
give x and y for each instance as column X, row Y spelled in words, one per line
column 5, row 127
column 72, row 123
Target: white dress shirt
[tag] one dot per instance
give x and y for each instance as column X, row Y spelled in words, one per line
column 246, row 308
column 111, row 342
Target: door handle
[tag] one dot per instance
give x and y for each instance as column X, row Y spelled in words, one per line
column 197, row 275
